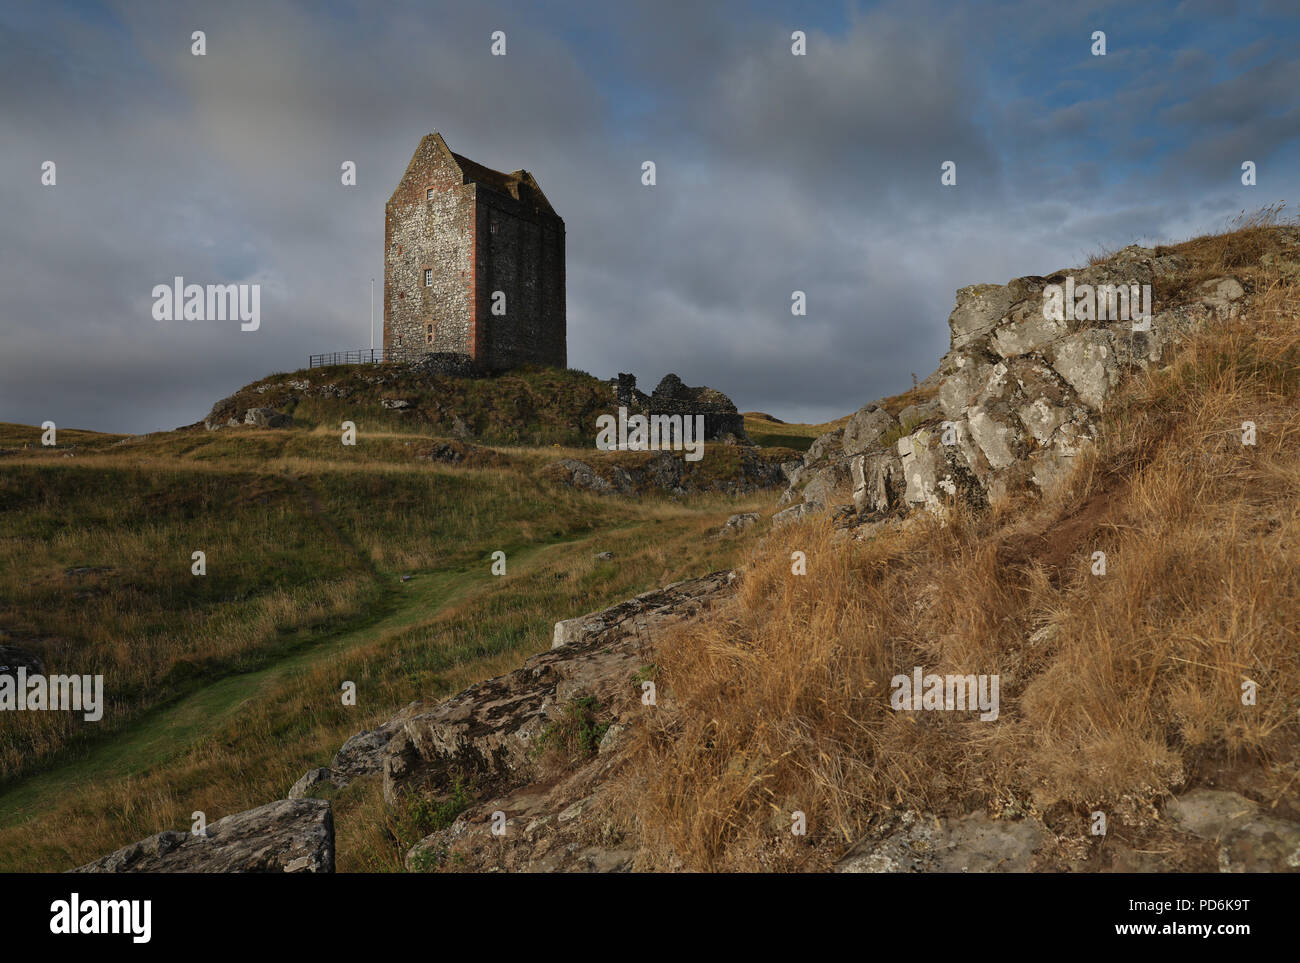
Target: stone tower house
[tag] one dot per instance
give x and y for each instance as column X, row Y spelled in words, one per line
column 473, row 264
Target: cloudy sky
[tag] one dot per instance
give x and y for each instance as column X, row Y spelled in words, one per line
column 776, row 173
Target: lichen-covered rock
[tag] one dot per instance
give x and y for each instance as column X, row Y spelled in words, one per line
column 1023, row 336
column 921, row 412
column 1089, row 363
column 973, row 843
column 959, row 390
column 581, row 475
column 865, row 429
column 1249, row 840
column 979, row 309
column 878, row 484
column 826, row 485
column 824, row 445
column 792, row 470
column 1020, row 392
column 267, row 418
column 997, row 434
column 1221, row 296
column 790, row 515
column 287, row 836
column 314, row 778
column 668, row 472
column 363, row 753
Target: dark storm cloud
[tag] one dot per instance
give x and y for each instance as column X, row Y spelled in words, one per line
column 775, row 174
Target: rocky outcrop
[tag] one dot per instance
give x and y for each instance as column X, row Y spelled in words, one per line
column 792, row 514
column 824, row 446
column 973, row 843
column 490, row 737
column 738, row 523
column 1246, row 839
column 313, row 780
column 681, row 599
column 865, row 428
column 1203, row 830
column 1024, row 387
column 1019, row 393
column 361, row 755
column 288, row 836
column 266, row 418
column 582, row 476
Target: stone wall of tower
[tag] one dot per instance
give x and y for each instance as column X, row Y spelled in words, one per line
column 521, row 254
column 435, row 235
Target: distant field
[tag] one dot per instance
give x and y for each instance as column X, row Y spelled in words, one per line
column 766, row 431
column 16, row 436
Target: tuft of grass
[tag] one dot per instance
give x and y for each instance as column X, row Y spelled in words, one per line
column 574, row 736
column 901, row 430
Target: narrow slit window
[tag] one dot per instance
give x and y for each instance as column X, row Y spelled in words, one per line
column 428, row 277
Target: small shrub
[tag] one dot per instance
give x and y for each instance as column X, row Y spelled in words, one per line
column 575, row 735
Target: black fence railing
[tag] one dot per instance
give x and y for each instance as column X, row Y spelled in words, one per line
column 361, row 356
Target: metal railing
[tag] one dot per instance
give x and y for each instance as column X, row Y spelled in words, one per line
column 360, row 356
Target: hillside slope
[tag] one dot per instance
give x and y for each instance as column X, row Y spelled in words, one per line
column 531, row 405
column 1170, row 666
column 1153, row 698
column 1134, row 599
column 323, row 563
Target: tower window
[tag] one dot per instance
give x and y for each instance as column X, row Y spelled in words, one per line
column 428, row 277
column 430, row 335
column 428, row 194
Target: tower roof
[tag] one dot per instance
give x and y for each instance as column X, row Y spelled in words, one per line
column 520, row 184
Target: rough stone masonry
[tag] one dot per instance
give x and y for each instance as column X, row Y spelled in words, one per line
column 473, row 264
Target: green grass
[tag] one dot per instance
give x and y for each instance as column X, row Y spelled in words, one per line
column 576, row 734
column 223, row 689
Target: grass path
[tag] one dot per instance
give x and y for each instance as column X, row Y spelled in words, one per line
column 165, row 733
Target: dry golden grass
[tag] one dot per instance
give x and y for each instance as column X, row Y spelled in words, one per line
column 1115, row 689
